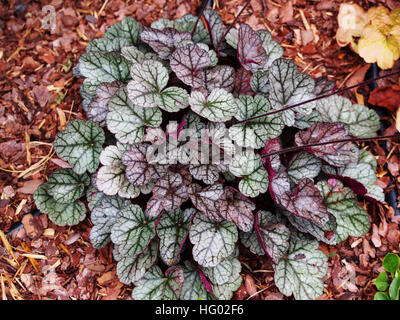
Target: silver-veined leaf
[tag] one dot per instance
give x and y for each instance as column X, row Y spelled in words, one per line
column 237, row 208
column 133, row 268
column 127, row 121
column 80, row 144
column 128, row 29
column 301, row 271
column 172, row 229
column 207, row 200
column 362, row 121
column 338, row 154
column 219, row 105
column 249, row 166
column 103, row 217
column 287, row 86
column 192, row 288
column 146, row 89
column 132, row 231
column 212, row 241
column 303, row 165
column 254, row 133
column 59, row 213
column 157, row 286
column 342, row 203
column 66, row 186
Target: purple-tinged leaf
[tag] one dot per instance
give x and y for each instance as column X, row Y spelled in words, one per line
column 98, row 108
column 243, row 82
column 169, row 193
column 237, row 208
column 250, row 51
column 207, row 200
column 272, row 235
column 338, row 154
column 219, row 77
column 187, row 62
column 138, row 170
column 164, row 42
column 306, row 202
column 215, row 26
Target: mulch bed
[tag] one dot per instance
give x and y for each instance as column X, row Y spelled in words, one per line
column 39, row 95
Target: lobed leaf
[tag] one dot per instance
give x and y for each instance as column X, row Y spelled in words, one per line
column 300, row 273
column 132, row 231
column 287, row 87
column 66, row 186
column 59, row 213
column 219, row 105
column 212, row 241
column 103, row 217
column 237, row 208
column 157, row 286
column 80, row 144
column 133, row 268
column 172, row 229
column 338, row 154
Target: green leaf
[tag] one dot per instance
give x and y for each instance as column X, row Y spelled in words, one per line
column 192, row 288
column 303, row 165
column 254, row 133
column 300, row 273
column 381, row 282
column 132, row 231
column 128, row 121
column 287, row 86
column 101, row 67
column 103, row 217
column 351, row 218
column 219, row 106
column 105, row 44
column 391, row 263
column 381, row 296
column 249, row 166
column 212, row 241
column 111, row 178
column 80, row 144
column 59, row 213
column 149, row 78
column 133, row 268
column 66, row 186
column 172, row 230
column 394, row 289
column 156, row 286
column 362, row 121
column 127, row 29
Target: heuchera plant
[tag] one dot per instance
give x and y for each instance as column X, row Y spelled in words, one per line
column 201, row 137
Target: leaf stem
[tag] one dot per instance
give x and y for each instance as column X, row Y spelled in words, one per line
column 321, row 97
column 355, row 139
column 231, row 25
column 204, row 5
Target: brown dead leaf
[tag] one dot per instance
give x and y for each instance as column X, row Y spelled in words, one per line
column 376, row 239
column 30, row 186
column 286, row 13
column 387, row 97
column 250, row 285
